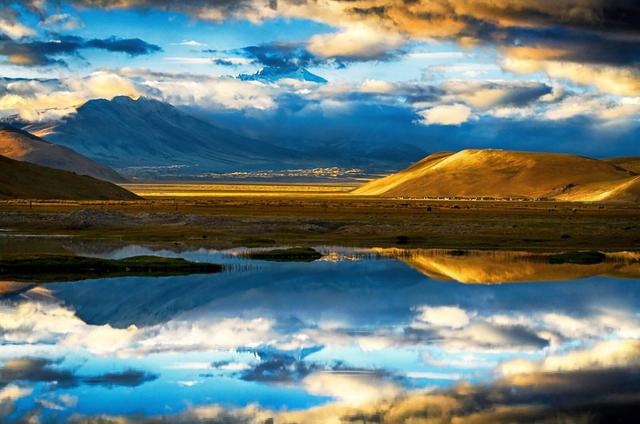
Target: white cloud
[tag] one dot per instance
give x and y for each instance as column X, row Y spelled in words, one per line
column 606, row 109
column 351, row 387
column 36, row 100
column 377, row 86
column 191, row 43
column 443, row 316
column 605, row 354
column 15, row 29
column 355, row 42
column 622, row 81
column 225, row 92
column 13, row 392
column 454, row 114
column 62, row 21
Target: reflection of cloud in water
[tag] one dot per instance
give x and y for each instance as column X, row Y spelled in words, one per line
column 43, row 370
column 339, row 330
column 604, row 388
column 472, row 317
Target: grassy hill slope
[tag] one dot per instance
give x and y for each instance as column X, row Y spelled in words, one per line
column 23, row 180
column 509, row 174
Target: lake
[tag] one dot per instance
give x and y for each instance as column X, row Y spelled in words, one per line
column 364, row 335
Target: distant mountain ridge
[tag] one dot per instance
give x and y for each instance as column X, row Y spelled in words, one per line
column 125, row 133
column 501, row 174
column 151, row 139
column 23, row 180
column 20, row 145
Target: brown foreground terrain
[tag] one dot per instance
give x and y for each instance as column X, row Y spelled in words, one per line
column 331, row 219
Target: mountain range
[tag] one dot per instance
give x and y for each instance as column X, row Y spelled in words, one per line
column 502, row 174
column 127, row 133
column 22, row 146
column 148, row 138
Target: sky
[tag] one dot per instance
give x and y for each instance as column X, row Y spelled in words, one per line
column 529, row 75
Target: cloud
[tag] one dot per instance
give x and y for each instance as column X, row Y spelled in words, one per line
column 595, row 33
column 280, row 55
column 61, row 21
column 454, row 114
column 488, row 94
column 353, row 388
column 279, row 368
column 606, row 354
column 605, row 109
column 207, row 91
column 41, row 100
column 190, row 43
column 44, row 100
column 624, row 81
column 42, row 370
column 128, row 378
column 14, row 29
column 356, row 43
column 605, row 391
column 443, row 316
column 276, row 109
column 47, row 53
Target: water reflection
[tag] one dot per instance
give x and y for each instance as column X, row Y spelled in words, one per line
column 361, row 334
column 486, row 267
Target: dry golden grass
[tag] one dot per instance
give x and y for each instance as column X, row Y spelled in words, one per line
column 195, row 190
column 502, row 174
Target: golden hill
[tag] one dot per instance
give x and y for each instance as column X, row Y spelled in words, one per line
column 23, row 180
column 501, row 174
column 23, row 146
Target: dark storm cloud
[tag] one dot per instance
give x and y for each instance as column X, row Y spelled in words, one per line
column 35, row 370
column 41, row 370
column 289, row 55
column 281, row 369
column 43, row 53
column 129, row 378
column 281, row 55
column 564, row 44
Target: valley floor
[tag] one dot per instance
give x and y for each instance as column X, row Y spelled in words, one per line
column 320, row 216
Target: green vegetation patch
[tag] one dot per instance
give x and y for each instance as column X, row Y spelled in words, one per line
column 294, row 254
column 73, row 268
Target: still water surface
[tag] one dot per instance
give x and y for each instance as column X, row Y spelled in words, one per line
column 357, row 329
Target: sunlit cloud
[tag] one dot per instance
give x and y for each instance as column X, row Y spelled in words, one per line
column 61, row 21
column 15, row 29
column 355, row 43
column 454, row 114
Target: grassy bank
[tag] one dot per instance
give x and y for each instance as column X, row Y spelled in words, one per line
column 49, row 268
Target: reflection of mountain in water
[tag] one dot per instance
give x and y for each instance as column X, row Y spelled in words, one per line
column 486, row 267
column 363, row 294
